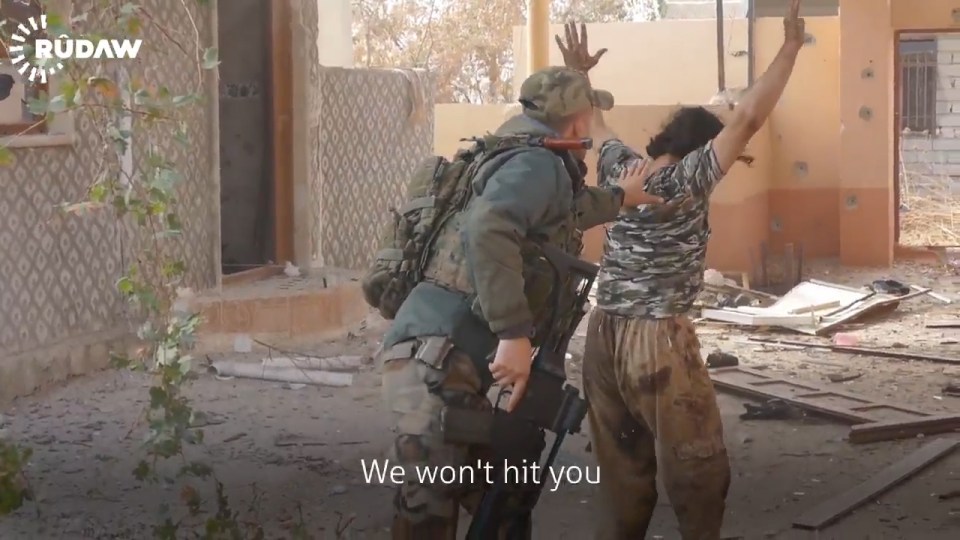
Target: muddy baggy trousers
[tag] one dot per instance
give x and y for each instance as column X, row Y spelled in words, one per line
column 417, row 387
column 652, row 401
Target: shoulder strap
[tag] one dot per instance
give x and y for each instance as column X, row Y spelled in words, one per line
column 491, row 162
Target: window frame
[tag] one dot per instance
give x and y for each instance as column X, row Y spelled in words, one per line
column 919, row 77
column 38, row 126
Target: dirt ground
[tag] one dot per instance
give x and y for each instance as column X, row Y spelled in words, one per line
column 86, row 443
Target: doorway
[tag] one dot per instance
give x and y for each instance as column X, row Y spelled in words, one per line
column 255, row 128
column 927, row 139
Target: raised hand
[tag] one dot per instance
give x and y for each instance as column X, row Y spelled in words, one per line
column 794, row 29
column 576, row 55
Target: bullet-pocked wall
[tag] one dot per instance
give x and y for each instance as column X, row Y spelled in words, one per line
column 869, row 138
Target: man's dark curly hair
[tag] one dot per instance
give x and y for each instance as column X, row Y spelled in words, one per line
column 688, row 129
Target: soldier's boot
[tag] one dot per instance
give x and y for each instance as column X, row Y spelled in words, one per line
column 430, row 529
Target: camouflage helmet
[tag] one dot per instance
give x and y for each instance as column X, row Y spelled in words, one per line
column 555, row 93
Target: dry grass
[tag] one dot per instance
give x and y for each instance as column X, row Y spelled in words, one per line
column 930, row 210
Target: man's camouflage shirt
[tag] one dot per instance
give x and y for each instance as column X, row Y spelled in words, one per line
column 653, row 259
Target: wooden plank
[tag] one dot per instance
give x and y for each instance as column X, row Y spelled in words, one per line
column 943, row 324
column 903, row 429
column 760, row 393
column 931, row 294
column 746, row 318
column 281, row 126
column 832, row 510
column 815, row 307
column 863, row 351
column 743, row 290
column 873, row 304
column 806, row 396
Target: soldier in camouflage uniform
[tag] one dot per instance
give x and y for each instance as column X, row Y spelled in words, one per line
column 652, row 404
column 473, row 303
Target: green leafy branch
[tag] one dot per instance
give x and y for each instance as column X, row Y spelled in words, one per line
column 125, row 110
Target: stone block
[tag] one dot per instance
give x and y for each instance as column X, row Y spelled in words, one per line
column 916, row 143
column 948, row 93
column 948, row 43
column 949, row 120
column 948, row 70
column 946, row 143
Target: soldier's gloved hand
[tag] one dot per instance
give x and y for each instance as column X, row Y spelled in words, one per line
column 511, row 365
column 632, row 181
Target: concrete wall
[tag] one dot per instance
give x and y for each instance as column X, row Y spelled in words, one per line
column 805, row 139
column 868, row 142
column 637, row 51
column 703, row 9
column 60, row 309
column 335, row 34
column 707, row 9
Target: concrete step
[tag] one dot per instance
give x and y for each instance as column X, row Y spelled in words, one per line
column 280, row 310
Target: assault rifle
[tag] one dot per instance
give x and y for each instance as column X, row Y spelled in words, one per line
column 549, row 404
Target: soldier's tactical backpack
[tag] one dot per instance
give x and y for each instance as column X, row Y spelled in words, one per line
column 439, row 189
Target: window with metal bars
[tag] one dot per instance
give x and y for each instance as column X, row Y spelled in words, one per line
column 918, row 85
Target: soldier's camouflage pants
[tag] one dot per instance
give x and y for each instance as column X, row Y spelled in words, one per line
column 651, row 400
column 417, row 390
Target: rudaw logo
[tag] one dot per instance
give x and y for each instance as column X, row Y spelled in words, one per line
column 47, row 53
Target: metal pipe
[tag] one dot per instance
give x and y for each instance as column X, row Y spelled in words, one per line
column 751, row 36
column 721, row 70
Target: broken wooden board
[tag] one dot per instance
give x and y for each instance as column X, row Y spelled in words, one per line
column 862, row 351
column 856, row 304
column 943, row 324
column 843, row 406
column 756, row 317
column 888, row 431
column 832, row 510
column 873, row 304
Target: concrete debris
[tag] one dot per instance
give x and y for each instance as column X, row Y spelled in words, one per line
column 291, row 270
column 955, row 494
column 716, row 278
column 845, row 340
column 242, row 343
column 813, row 307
